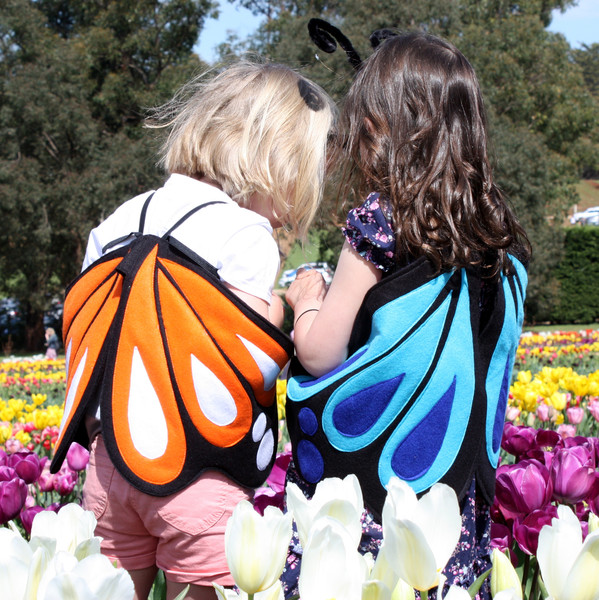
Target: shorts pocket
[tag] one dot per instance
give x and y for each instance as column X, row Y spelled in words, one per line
column 98, row 479
column 202, row 504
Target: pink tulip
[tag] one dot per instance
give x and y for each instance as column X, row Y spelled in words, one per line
column 77, row 457
column 12, row 498
column 593, row 407
column 526, row 530
column 12, row 445
column 566, row 431
column 512, row 413
column 573, row 473
column 523, row 487
column 46, row 481
column 575, row 414
column 542, row 412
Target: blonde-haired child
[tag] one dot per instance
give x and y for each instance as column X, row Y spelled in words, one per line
column 249, row 144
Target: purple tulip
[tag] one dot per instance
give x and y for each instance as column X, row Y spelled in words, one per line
column 64, row 482
column 12, row 498
column 547, row 439
column 3, row 458
column 28, row 468
column 501, row 536
column 526, row 530
column 573, row 474
column 28, row 514
column 523, row 487
column 77, row 457
column 593, row 497
column 517, row 439
column 7, row 473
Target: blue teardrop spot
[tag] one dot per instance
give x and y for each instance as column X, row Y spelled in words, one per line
column 310, row 461
column 355, row 415
column 416, row 454
column 307, row 421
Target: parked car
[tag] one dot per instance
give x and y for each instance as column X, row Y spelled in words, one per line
column 323, row 268
column 590, row 216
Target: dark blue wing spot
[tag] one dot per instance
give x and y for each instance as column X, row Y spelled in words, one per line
column 310, row 461
column 307, row 421
column 416, row 454
column 355, row 415
column 501, row 406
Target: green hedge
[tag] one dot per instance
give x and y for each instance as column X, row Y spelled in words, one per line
column 578, row 277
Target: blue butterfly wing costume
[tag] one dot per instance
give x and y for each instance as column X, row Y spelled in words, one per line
column 424, row 391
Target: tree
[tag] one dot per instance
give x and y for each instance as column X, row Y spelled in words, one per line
column 76, row 79
column 540, row 109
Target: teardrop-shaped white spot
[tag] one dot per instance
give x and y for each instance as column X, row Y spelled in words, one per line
column 147, row 423
column 215, row 400
column 259, row 427
column 265, row 450
column 72, row 392
column 268, row 367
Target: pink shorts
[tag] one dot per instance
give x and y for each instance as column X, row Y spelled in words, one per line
column 182, row 534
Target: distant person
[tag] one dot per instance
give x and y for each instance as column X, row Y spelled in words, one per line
column 52, row 344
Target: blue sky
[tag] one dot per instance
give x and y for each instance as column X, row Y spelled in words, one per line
column 580, row 25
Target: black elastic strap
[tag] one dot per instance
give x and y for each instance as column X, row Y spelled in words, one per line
column 187, row 215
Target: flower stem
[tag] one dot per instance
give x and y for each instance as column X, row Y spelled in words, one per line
column 424, row 595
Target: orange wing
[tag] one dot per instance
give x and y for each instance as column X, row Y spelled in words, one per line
column 186, row 376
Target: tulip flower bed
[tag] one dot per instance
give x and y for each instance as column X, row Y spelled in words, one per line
column 31, row 395
column 546, row 477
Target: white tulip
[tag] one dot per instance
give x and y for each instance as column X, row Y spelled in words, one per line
column 421, row 534
column 457, row 593
column 256, row 546
column 72, row 528
column 15, row 560
column 332, row 567
column 93, row 578
column 569, row 567
column 503, row 575
column 272, row 593
column 340, row 499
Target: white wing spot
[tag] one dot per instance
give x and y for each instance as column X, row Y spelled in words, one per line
column 147, row 423
column 265, row 450
column 72, row 393
column 268, row 367
column 259, row 427
column 215, row 400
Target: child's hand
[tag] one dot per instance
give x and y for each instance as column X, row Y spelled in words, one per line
column 308, row 287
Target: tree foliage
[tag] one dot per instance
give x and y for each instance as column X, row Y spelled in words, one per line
column 76, row 79
column 538, row 93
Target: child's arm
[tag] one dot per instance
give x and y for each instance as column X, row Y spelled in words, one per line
column 321, row 336
column 272, row 312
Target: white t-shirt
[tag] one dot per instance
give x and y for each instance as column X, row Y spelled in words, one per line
column 236, row 241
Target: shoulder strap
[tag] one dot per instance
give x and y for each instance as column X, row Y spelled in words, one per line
column 142, row 222
column 188, row 214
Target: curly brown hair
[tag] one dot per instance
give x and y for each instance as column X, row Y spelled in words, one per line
column 415, row 130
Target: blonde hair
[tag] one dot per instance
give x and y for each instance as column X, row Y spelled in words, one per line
column 253, row 128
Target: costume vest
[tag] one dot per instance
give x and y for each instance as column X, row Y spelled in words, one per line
column 424, row 392
column 183, row 371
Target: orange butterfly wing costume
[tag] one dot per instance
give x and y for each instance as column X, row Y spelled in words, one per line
column 184, row 372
